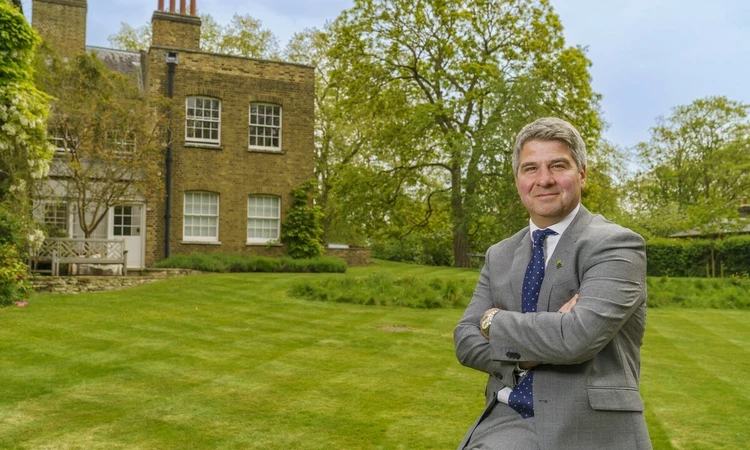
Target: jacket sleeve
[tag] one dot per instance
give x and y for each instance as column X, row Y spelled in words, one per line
column 473, row 349
column 612, row 287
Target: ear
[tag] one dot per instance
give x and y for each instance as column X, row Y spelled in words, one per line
column 583, row 177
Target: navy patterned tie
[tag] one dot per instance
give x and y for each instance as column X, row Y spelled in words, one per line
column 522, row 398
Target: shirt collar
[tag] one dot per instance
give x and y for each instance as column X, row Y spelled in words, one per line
column 559, row 227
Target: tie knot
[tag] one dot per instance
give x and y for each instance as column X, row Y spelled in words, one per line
column 540, row 235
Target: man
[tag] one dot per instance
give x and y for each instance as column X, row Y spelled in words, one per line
column 558, row 314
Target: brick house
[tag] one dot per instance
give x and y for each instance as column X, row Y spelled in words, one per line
column 246, row 139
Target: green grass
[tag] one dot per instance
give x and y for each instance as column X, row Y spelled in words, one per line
column 230, row 361
column 723, row 293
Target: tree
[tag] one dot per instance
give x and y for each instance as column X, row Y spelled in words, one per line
column 24, row 150
column 109, row 138
column 302, row 229
column 243, row 36
column 132, row 39
column 696, row 168
column 441, row 88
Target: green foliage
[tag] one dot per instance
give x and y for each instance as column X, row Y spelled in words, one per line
column 243, row 36
column 221, row 262
column 734, row 254
column 715, row 293
column 697, row 168
column 433, row 249
column 112, row 136
column 689, row 258
column 17, row 41
column 14, row 275
column 386, row 290
column 302, row 230
column 432, row 94
column 24, row 151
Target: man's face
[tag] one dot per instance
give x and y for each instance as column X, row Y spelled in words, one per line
column 549, row 181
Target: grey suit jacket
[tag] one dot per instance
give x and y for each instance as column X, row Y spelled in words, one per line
column 586, row 389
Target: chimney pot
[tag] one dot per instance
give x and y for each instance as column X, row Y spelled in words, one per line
column 171, row 6
column 161, row 5
column 192, row 7
column 182, row 6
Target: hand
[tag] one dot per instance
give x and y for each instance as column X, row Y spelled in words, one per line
column 484, row 323
column 569, row 305
column 526, row 365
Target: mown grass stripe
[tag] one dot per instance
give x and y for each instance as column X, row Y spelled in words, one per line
column 687, row 399
column 230, row 361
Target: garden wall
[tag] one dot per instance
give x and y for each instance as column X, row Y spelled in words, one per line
column 77, row 284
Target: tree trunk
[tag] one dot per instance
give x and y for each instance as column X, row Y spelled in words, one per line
column 460, row 226
column 461, row 245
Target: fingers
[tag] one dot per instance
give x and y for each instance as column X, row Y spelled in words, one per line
column 569, row 305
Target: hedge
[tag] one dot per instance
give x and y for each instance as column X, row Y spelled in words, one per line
column 223, row 262
column 689, row 258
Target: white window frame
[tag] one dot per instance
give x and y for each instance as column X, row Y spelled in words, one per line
column 58, row 139
column 254, row 127
column 201, row 214
column 124, row 144
column 60, row 207
column 202, row 118
column 264, row 215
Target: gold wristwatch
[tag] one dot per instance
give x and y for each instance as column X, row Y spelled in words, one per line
column 487, row 322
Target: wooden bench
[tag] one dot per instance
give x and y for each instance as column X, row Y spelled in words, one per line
column 56, row 251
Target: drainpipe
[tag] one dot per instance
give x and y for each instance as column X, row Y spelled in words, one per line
column 171, row 64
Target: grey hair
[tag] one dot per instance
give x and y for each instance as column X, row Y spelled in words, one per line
column 551, row 129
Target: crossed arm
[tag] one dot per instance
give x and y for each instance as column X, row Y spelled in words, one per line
column 612, row 287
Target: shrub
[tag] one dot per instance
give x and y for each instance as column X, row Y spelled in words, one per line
column 689, row 258
column 232, row 262
column 719, row 293
column 303, row 229
column 385, row 290
column 14, row 275
column 434, row 249
column 735, row 255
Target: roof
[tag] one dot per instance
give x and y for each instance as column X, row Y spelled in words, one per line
column 121, row 61
column 696, row 233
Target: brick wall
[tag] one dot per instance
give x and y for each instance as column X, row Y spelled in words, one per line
column 354, row 256
column 62, row 24
column 232, row 170
column 175, row 30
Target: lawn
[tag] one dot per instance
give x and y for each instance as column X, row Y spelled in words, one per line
column 230, row 361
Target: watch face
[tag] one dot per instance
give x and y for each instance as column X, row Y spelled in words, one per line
column 486, row 322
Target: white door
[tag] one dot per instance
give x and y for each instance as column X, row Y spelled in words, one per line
column 127, row 224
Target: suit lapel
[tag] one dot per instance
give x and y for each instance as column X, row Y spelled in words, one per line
column 564, row 252
column 521, row 259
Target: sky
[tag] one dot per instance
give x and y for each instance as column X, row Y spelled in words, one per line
column 648, row 56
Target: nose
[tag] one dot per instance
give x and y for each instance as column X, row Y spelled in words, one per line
column 545, row 178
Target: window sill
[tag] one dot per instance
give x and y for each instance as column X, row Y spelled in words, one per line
column 200, row 242
column 203, row 145
column 265, row 150
column 263, row 244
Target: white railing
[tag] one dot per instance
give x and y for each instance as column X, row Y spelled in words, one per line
column 58, row 251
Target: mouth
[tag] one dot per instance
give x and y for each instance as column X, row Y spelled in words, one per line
column 546, row 195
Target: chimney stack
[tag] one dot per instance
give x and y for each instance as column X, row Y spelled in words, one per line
column 183, row 7
column 176, row 29
column 62, row 23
